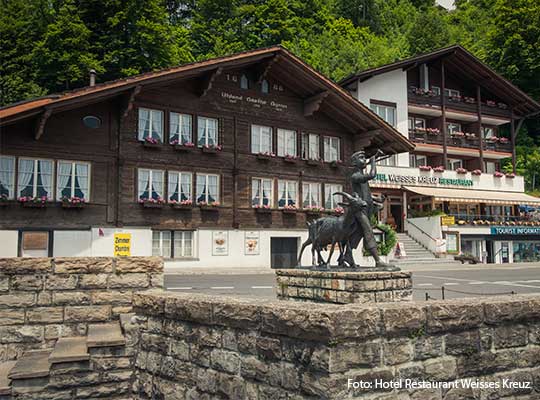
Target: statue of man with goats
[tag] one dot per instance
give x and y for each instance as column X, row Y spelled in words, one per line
column 348, row 230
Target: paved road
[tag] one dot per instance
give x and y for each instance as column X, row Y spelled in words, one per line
column 473, row 282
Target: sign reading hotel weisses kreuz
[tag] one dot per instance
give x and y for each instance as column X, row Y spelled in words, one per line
column 422, row 180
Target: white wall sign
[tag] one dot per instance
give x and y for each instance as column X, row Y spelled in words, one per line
column 251, row 243
column 220, row 243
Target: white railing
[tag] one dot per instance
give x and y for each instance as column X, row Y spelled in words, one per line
column 427, row 231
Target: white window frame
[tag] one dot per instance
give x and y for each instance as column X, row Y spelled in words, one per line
column 206, row 176
column 490, row 167
column 206, row 131
column 454, row 164
column 287, row 191
column 451, row 92
column 284, row 140
column 179, row 175
column 436, row 90
column 182, row 121
column 50, row 196
column 327, row 141
column 391, row 161
column 452, row 127
column 384, row 111
column 415, row 160
column 264, row 135
column 151, row 116
column 485, row 130
column 10, row 185
column 175, row 238
column 161, row 247
column 73, row 176
column 307, row 189
column 329, row 190
column 150, row 182
column 311, row 146
column 261, row 182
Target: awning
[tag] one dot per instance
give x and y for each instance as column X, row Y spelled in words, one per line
column 473, row 196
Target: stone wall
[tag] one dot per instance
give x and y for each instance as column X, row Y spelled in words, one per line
column 203, row 347
column 343, row 287
column 42, row 299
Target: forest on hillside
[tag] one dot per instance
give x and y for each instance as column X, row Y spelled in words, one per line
column 49, row 46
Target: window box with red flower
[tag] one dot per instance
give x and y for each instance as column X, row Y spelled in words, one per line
column 289, row 209
column 461, row 171
column 186, row 146
column 33, row 202
column 476, row 172
column 211, row 149
column 339, row 210
column 425, row 168
column 4, row 200
column 313, row 210
column 262, row 209
column 181, row 205
column 212, row 206
column 470, row 100
column 493, row 139
column 433, row 131
column 510, row 175
column 290, row 159
column 313, row 161
column 498, row 174
column 151, row 203
column 457, row 134
column 491, row 103
column 470, row 136
column 151, row 142
column 438, row 169
column 336, row 163
column 502, row 106
column 265, row 155
column 504, row 140
column 72, row 202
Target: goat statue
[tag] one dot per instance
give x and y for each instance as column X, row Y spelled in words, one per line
column 333, row 230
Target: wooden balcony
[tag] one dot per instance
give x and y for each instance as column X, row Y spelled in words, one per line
column 462, row 142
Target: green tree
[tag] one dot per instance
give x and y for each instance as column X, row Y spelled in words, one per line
column 429, row 32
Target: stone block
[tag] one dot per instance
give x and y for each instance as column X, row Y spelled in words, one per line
column 253, row 368
column 407, row 319
column 269, row 348
column 150, row 303
column 49, row 315
column 87, row 313
column 17, row 299
column 402, row 295
column 512, row 308
column 26, row 282
column 61, row 282
column 11, row 317
column 355, row 356
column 71, row 298
column 440, row 369
column 247, row 342
column 467, row 342
column 82, row 265
column 232, row 387
column 237, row 315
column 189, row 309
column 4, row 283
column 179, row 349
column 427, row 347
column 534, row 333
column 21, row 334
column 93, row 281
column 224, row 360
column 123, row 297
column 21, row 266
column 136, row 280
column 510, row 336
column 458, row 315
column 44, row 298
column 384, row 296
column 139, row 264
column 397, row 351
column 485, row 363
column 229, row 340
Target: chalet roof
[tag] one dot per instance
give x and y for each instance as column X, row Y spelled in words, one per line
column 317, row 90
column 462, row 63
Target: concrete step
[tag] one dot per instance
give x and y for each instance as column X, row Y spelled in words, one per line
column 32, row 364
column 69, row 349
column 105, row 335
column 424, row 261
column 5, row 369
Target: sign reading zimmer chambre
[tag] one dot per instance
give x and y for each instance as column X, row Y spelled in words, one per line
column 421, row 180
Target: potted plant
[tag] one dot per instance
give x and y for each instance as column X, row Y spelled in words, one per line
column 504, row 140
column 476, row 172
column 266, row 155
column 151, row 142
column 498, row 174
column 4, row 200
column 457, row 134
column 33, row 202
column 151, row 202
column 185, row 146
column 438, row 169
column 433, row 131
column 289, row 209
column 455, row 98
column 470, row 100
column 181, row 205
column 491, row 103
column 470, row 136
column 461, row 170
column 262, row 208
column 510, row 175
column 290, row 158
column 336, row 163
column 313, row 210
column 313, row 161
column 212, row 148
column 212, row 205
column 339, row 210
column 72, row 202
column 425, row 168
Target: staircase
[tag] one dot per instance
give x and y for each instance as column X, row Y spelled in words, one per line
column 84, row 367
column 417, row 254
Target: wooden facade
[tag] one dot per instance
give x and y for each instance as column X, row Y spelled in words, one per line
column 298, row 99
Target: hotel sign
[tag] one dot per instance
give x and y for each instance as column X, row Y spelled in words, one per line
column 515, row 230
column 421, row 180
column 122, row 244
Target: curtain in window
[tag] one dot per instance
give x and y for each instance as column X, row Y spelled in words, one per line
column 82, row 184
column 45, row 173
column 212, row 189
column 7, row 171
column 201, row 188
column 281, row 143
column 291, row 143
column 185, row 187
column 26, row 174
column 144, row 183
column 173, row 186
column 157, row 126
column 63, row 176
column 313, row 147
column 255, row 139
column 157, row 185
column 255, row 192
column 291, row 192
column 267, row 192
column 186, row 128
column 144, row 123
column 174, row 127
column 282, row 189
column 266, row 139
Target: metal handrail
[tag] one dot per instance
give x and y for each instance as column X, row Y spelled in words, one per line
column 421, row 230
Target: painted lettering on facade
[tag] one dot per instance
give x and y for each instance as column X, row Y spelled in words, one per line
column 421, row 180
column 254, row 101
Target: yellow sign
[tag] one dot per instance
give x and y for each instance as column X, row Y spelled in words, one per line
column 122, row 244
column 448, row 220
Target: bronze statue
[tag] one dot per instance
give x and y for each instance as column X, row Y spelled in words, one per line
column 348, row 230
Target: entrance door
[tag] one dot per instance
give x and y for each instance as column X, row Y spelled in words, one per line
column 490, row 252
column 397, row 212
column 505, row 256
column 283, row 251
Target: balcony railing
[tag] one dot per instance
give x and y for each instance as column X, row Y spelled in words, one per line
column 466, row 140
column 487, row 220
column 466, row 104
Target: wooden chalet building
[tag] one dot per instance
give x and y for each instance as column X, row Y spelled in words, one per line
column 215, row 163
